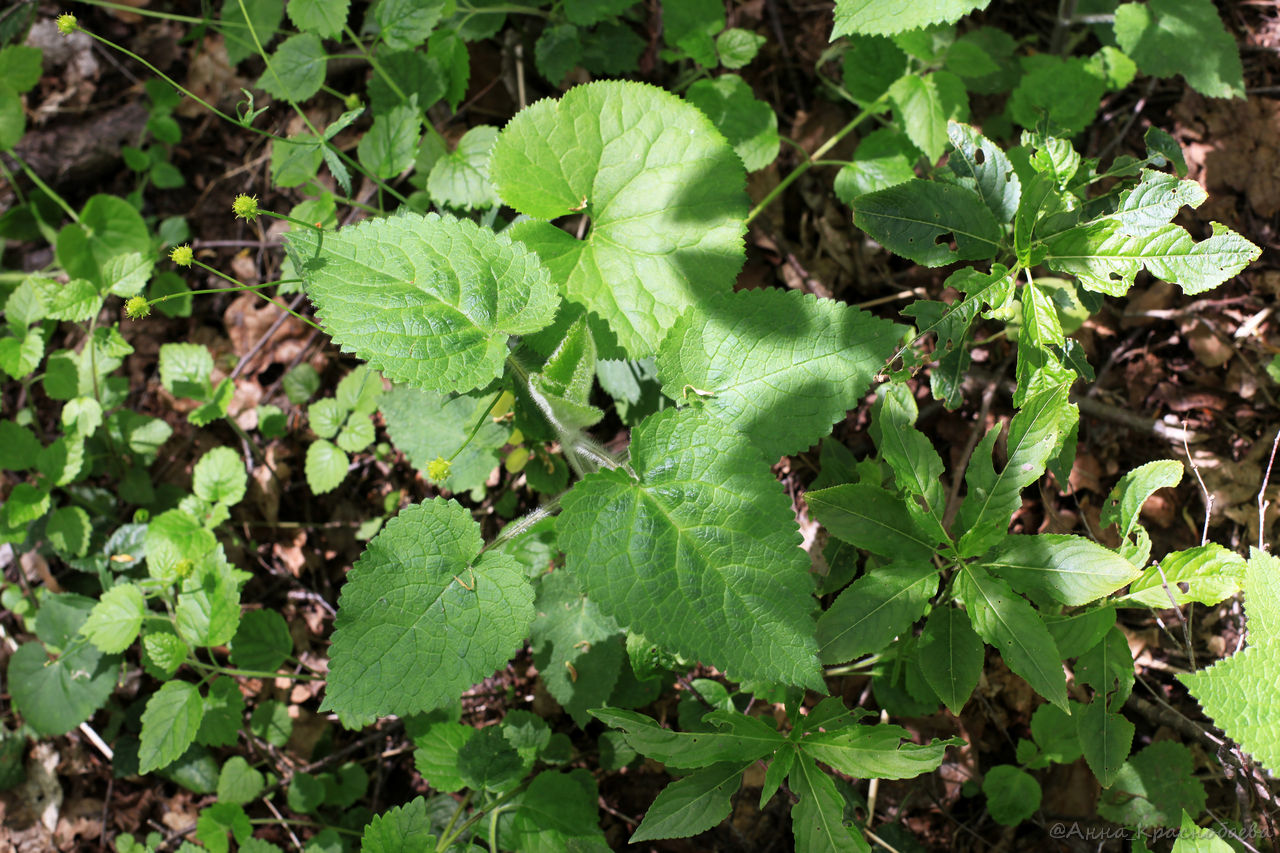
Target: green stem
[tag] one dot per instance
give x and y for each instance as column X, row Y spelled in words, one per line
column 442, row 844
column 35, row 179
column 812, row 161
column 249, row 673
column 239, row 285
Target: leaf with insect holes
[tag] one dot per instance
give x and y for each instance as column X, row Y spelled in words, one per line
column 430, row 301
column 664, row 191
column 423, row 616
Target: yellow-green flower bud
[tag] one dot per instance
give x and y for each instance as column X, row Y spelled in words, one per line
column 438, row 469
column 182, row 255
column 137, row 308
column 245, row 207
column 67, row 24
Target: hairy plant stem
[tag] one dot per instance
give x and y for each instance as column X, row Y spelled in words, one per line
column 239, row 285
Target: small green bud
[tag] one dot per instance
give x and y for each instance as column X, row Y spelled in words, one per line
column 352, row 101
column 67, row 24
column 184, row 568
column 137, row 308
column 182, row 255
column 438, row 469
column 245, row 207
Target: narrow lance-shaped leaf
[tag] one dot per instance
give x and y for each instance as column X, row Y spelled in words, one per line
column 875, row 752
column 664, row 191
column 423, row 616
column 875, row 609
column 817, row 820
column 780, row 366
column 737, row 737
column 1071, row 570
column 1034, row 434
column 951, row 656
column 917, row 467
column 693, row 804
column 871, row 518
column 697, row 551
column 919, row 219
column 1012, row 625
column 430, row 301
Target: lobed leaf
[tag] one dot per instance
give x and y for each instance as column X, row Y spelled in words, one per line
column 430, row 301
column 697, row 550
column 663, row 190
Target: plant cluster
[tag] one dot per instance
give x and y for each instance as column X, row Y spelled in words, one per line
column 575, row 267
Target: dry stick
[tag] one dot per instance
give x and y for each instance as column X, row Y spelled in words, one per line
column 1208, row 498
column 262, row 341
column 1263, row 503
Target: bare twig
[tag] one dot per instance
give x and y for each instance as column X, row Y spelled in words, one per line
column 1263, row 503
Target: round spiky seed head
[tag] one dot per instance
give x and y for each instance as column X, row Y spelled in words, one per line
column 438, row 469
column 137, row 308
column 245, row 207
column 67, row 24
column 182, row 255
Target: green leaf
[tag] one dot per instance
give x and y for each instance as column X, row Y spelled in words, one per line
column 557, row 51
column 1034, row 434
column 924, row 105
column 185, row 370
column 1127, row 497
column 489, row 762
column 326, row 466
column 980, row 165
column 402, row 828
column 208, row 610
column 223, row 714
column 1192, row 838
column 114, row 622
column 108, row 226
column 690, row 26
column 1064, row 93
column 326, row 417
column 296, row 160
column 918, row 220
column 1207, row 574
column 585, row 13
column 737, row 47
column 875, row 609
column 20, row 66
column 1238, row 693
column 556, row 810
column 55, row 697
column 388, row 148
column 169, row 725
column 577, row 649
column 406, row 24
column 663, row 189
column 750, row 125
column 264, row 16
column 427, row 424
column 875, row 751
column 18, row 446
column 1154, row 787
column 173, row 538
column 1156, row 199
column 427, row 300
column 26, row 305
column 217, row 406
column 699, row 550
column 1016, row 630
column 13, row 120
column 76, row 301
column 325, row 18
column 163, row 653
column 884, row 158
column 436, row 756
column 886, row 17
column 410, row 635
column 817, row 820
column 1068, row 569
column 1106, row 256
column 735, row 738
column 413, row 74
column 127, row 274
column 68, row 530
column 25, row 504
column 1167, row 37
column 1013, row 794
column 296, row 70
column 917, row 467
column 871, row 65
column 779, row 366
column 239, row 783
column 950, row 656
column 1105, row 737
column 871, row 518
column 691, row 805
column 262, row 641
column 460, row 178
column 19, row 357
column 219, row 477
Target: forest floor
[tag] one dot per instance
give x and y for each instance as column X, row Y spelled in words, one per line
column 1177, row 377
